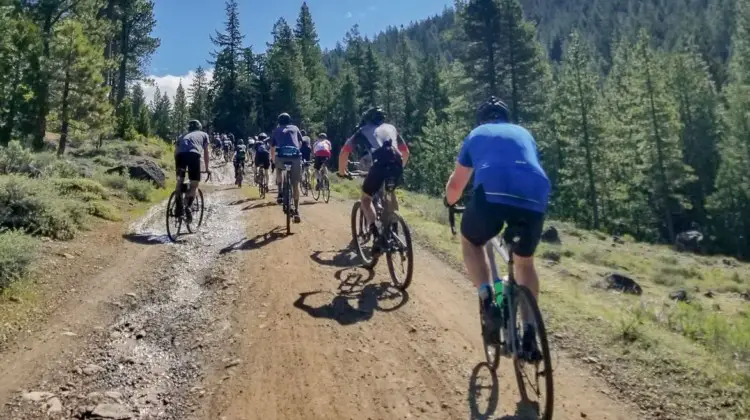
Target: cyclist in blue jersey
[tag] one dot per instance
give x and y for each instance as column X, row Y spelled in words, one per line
column 510, row 187
column 286, row 141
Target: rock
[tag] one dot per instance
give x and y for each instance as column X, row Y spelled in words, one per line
column 623, row 283
column 68, row 256
column 113, row 395
column 745, row 295
column 15, row 299
column 54, row 406
column 37, row 396
column 680, row 295
column 553, row 256
column 94, row 397
column 591, row 359
column 140, row 334
column 112, row 411
column 709, row 294
column 92, row 369
column 142, row 168
column 618, row 240
column 69, row 334
column 233, row 363
column 551, row 235
column 689, row 241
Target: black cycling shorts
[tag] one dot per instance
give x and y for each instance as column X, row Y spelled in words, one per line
column 482, row 221
column 190, row 161
column 320, row 161
column 263, row 160
column 378, row 173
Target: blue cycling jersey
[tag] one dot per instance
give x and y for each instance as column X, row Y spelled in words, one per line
column 506, row 164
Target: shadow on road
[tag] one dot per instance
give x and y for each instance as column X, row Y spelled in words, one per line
column 146, row 238
column 243, row 201
column 258, row 241
column 484, row 395
column 308, row 203
column 346, row 257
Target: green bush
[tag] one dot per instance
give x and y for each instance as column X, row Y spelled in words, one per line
column 103, row 211
column 114, row 181
column 16, row 254
column 17, row 159
column 105, row 161
column 80, row 187
column 139, row 190
column 35, row 207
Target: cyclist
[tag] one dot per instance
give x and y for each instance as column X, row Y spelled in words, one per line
column 322, row 151
column 389, row 159
column 240, row 154
column 286, row 142
column 510, row 188
column 306, row 152
column 262, row 155
column 226, row 143
column 187, row 157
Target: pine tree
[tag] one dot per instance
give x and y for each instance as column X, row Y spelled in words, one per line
column 578, row 123
column 312, row 59
column 136, row 45
column 227, row 60
column 431, row 94
column 161, row 116
column 180, row 113
column 198, row 91
column 143, row 121
column 289, row 88
column 481, row 25
column 137, row 98
column 407, row 81
column 370, row 82
column 125, row 122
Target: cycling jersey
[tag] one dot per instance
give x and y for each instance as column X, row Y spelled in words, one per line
column 241, row 152
column 322, row 148
column 374, row 137
column 305, row 151
column 288, row 135
column 506, row 165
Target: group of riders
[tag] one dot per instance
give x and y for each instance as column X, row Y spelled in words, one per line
column 509, row 188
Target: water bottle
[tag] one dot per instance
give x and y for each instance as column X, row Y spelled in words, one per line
column 499, row 292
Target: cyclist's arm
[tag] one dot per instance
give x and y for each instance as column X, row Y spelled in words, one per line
column 206, row 155
column 460, row 176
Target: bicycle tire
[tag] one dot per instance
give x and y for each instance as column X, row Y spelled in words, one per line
column 199, row 206
column 492, row 351
column 288, row 203
column 402, row 285
column 316, row 188
column 326, row 190
column 304, row 185
column 172, row 235
column 358, row 227
column 524, row 294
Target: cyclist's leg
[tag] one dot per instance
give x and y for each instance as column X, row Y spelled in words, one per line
column 296, row 174
column 529, row 226
column 480, row 223
column 194, row 174
column 373, row 181
column 180, row 167
column 279, row 169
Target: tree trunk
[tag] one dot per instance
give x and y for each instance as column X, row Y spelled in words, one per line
column 587, row 145
column 42, row 87
column 64, row 114
column 10, row 118
column 124, row 55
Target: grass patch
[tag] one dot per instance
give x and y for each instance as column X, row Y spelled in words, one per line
column 17, row 251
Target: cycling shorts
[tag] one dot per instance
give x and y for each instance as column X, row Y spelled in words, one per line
column 189, row 161
column 483, row 220
column 379, row 173
column 263, row 160
column 320, row 161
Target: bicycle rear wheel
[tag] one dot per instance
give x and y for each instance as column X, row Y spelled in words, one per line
column 288, row 203
column 316, row 188
column 492, row 348
column 305, row 184
column 326, row 189
column 197, row 209
column 400, row 253
column 174, row 223
column 530, row 386
column 361, row 236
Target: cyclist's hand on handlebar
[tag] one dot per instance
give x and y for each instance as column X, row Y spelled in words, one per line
column 445, row 202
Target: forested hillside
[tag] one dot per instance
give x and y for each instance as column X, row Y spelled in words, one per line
column 639, row 107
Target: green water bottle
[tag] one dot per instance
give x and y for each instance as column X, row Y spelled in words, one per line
column 499, row 292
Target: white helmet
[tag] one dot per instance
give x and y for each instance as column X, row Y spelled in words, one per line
column 251, row 142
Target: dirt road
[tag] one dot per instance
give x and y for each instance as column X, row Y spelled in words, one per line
column 243, row 322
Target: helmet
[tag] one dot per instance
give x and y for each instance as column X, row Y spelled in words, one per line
column 323, row 136
column 374, row 115
column 303, row 132
column 262, row 136
column 194, row 125
column 492, row 109
column 284, row 119
column 251, row 142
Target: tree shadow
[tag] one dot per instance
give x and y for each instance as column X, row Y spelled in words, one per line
column 258, row 241
column 147, row 238
column 346, row 257
column 484, row 391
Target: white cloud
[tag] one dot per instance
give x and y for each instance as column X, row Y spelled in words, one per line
column 170, row 82
column 349, row 15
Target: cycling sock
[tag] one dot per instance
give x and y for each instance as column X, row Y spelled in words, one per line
column 484, row 291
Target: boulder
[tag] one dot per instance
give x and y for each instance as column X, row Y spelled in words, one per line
column 142, row 168
column 680, row 295
column 689, row 241
column 551, row 235
column 623, row 283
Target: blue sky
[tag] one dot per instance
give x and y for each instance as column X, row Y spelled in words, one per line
column 184, row 26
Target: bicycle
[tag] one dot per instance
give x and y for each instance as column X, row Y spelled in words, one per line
column 322, row 187
column 261, row 179
column 386, row 211
column 286, row 195
column 179, row 201
column 305, row 184
column 239, row 174
column 514, row 299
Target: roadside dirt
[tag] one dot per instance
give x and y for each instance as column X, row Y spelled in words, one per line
column 241, row 321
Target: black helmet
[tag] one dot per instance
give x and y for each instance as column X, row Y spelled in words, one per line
column 374, row 115
column 194, row 125
column 262, row 136
column 284, row 119
column 492, row 109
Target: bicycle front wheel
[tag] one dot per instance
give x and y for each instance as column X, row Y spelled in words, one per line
column 316, row 187
column 326, row 187
column 197, row 210
column 361, row 236
column 400, row 255
column 533, row 371
column 305, row 184
column 174, row 223
column 288, row 203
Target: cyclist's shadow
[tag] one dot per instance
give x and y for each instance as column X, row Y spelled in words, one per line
column 484, row 396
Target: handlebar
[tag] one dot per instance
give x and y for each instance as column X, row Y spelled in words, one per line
column 452, row 211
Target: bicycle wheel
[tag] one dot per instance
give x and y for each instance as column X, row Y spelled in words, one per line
column 174, row 223
column 316, row 187
column 400, row 255
column 542, row 366
column 197, row 209
column 305, row 183
column 288, row 203
column 492, row 349
column 326, row 189
column 361, row 236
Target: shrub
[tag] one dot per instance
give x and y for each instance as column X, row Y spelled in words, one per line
column 105, row 161
column 103, row 211
column 114, row 181
column 80, row 187
column 16, row 254
column 139, row 190
column 17, row 159
column 36, row 208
